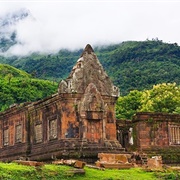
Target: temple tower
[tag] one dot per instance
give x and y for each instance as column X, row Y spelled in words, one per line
column 94, row 99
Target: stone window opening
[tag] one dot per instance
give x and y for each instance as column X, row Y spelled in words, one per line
column 38, row 133
column 52, row 129
column 6, row 137
column 18, row 133
column 174, row 135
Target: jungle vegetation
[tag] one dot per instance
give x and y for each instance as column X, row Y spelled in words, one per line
column 132, row 65
column 161, row 98
column 17, row 86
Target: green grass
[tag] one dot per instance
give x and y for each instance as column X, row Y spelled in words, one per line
column 13, row 171
column 108, row 174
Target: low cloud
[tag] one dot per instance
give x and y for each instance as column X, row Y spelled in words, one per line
column 56, row 25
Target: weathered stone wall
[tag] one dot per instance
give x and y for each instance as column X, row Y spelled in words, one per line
column 79, row 133
column 14, row 133
column 156, row 134
column 153, row 129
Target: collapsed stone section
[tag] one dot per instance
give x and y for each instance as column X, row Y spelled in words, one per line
column 88, row 70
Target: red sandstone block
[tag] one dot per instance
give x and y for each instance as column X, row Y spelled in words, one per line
column 58, row 162
column 79, row 164
column 154, row 162
column 69, row 162
column 112, row 158
column 29, row 163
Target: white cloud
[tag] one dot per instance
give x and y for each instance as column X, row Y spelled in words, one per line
column 68, row 24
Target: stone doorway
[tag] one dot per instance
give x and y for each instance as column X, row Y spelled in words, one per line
column 94, row 131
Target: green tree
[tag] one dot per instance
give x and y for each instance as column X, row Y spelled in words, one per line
column 162, row 98
column 127, row 106
column 17, row 86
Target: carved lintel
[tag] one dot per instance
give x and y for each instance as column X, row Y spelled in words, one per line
column 94, row 115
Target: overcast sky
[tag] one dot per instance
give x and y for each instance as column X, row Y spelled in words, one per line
column 72, row 24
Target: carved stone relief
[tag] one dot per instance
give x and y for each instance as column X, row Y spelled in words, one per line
column 92, row 100
column 63, row 87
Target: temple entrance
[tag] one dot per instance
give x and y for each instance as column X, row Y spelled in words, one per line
column 94, row 131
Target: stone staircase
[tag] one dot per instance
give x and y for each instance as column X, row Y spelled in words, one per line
column 113, row 145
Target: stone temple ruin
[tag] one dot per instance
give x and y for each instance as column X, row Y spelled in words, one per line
column 77, row 122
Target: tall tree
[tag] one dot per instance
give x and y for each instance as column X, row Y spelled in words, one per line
column 128, row 105
column 161, row 98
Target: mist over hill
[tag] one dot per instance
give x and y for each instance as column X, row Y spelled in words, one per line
column 131, row 65
column 8, row 31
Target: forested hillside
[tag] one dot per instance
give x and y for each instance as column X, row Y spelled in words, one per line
column 140, row 65
column 17, row 86
column 131, row 65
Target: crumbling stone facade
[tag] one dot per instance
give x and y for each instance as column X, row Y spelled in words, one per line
column 78, row 121
column 157, row 130
column 154, row 134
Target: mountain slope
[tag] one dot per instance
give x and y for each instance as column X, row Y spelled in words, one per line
column 6, row 69
column 17, row 86
column 130, row 65
column 139, row 65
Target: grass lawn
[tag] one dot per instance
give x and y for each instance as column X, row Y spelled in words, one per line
column 13, row 171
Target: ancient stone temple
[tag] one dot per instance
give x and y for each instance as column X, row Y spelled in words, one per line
column 78, row 121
